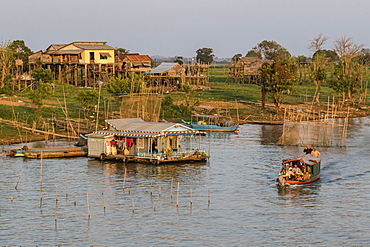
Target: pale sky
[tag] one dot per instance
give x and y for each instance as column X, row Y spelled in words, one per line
column 180, row 27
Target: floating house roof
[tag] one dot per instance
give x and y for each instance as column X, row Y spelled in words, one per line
column 162, row 68
column 136, row 127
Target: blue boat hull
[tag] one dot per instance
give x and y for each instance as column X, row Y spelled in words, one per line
column 215, row 128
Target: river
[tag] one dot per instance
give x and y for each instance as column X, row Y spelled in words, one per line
column 231, row 200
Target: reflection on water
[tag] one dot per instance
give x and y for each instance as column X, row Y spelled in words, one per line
column 230, row 200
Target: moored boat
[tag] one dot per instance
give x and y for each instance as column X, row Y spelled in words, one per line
column 301, row 170
column 37, row 153
column 213, row 123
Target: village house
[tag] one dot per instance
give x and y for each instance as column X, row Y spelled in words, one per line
column 78, row 63
column 134, row 62
column 246, row 69
column 134, row 140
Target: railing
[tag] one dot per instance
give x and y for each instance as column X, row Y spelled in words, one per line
column 175, row 154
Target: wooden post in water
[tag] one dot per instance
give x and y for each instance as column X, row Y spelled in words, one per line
column 41, row 181
column 124, row 178
column 177, row 195
column 159, row 191
column 16, row 186
column 56, row 198
column 133, row 207
column 151, row 188
column 66, row 192
column 171, row 188
column 104, row 205
column 191, row 198
column 88, row 205
column 209, row 197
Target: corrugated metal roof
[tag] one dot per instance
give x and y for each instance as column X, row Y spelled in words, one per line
column 64, row 52
column 94, row 47
column 136, row 57
column 163, row 67
column 140, row 126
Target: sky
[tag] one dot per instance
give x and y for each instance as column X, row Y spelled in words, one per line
column 180, row 27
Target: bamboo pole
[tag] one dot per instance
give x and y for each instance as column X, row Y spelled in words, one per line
column 171, row 188
column 41, row 180
column 88, row 205
column 209, row 197
column 177, row 194
column 16, row 186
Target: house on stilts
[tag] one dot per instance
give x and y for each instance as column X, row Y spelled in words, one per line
column 134, row 140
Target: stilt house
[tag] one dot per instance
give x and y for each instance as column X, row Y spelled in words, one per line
column 246, row 69
column 134, row 62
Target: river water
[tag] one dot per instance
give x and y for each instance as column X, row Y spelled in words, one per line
column 235, row 201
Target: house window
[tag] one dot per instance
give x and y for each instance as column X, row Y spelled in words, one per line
column 104, row 55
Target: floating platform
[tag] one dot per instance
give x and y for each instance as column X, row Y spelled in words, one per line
column 153, row 160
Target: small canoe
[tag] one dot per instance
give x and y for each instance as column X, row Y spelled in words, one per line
column 37, row 153
column 301, row 170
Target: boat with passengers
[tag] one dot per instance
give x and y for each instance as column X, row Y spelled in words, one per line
column 301, row 170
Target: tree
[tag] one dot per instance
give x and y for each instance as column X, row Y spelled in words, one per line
column 205, row 55
column 318, row 72
column 253, row 53
column 88, row 99
column 271, row 50
column 21, row 51
column 41, row 74
column 302, row 59
column 6, row 62
column 118, row 51
column 348, row 73
column 277, row 78
column 178, row 59
column 330, row 55
column 119, row 85
column 236, row 57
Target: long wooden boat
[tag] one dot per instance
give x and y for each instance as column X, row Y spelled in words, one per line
column 37, row 153
column 309, row 166
column 213, row 123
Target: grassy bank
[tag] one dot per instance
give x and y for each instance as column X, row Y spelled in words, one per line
column 240, row 101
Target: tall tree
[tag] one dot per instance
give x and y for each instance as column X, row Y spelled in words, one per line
column 205, row 55
column 118, row 51
column 178, row 59
column 21, row 51
column 348, row 73
column 253, row 53
column 277, row 78
column 6, row 62
column 271, row 50
column 318, row 71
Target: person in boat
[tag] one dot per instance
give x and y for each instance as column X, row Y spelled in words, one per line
column 290, row 174
column 282, row 173
column 308, row 149
column 315, row 152
column 306, row 175
column 297, row 170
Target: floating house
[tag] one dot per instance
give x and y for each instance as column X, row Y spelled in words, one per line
column 134, row 140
